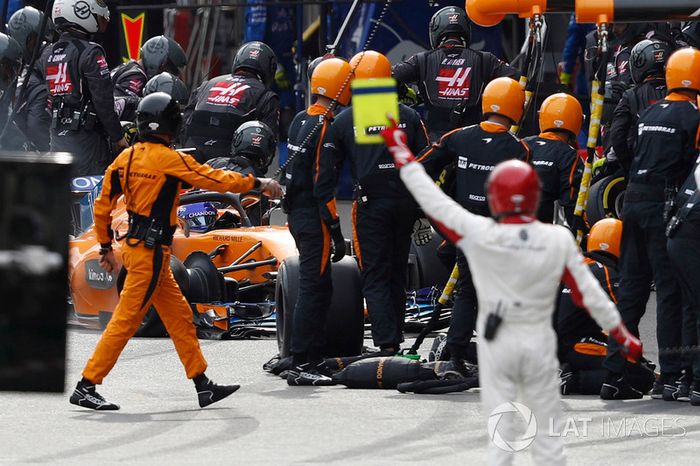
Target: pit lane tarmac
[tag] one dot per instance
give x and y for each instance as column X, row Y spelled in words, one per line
column 267, row 422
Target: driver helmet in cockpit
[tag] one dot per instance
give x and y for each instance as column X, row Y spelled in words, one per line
column 200, row 216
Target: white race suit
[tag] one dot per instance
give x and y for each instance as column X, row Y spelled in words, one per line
column 517, row 268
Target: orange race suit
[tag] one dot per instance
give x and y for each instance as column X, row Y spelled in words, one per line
column 150, row 175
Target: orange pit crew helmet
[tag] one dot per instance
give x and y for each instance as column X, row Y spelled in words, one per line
column 683, row 70
column 370, row 65
column 331, row 78
column 505, row 97
column 606, row 235
column 561, row 112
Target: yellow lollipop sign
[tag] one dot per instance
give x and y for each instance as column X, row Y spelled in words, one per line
column 372, row 99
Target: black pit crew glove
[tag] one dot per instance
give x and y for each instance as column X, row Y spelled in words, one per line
column 338, row 240
column 422, row 232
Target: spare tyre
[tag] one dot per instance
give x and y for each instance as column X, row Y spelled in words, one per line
column 344, row 330
column 431, row 270
column 605, row 199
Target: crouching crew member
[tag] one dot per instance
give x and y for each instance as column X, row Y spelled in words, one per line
column 170, row 84
column 313, row 221
column 81, row 97
column 518, row 264
column 383, row 212
column 582, row 343
column 555, row 157
column 476, row 150
column 222, row 104
column 252, row 151
column 149, row 176
column 663, row 158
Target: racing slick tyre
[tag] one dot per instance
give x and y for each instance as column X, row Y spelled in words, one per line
column 605, row 199
column 152, row 326
column 345, row 320
column 429, row 269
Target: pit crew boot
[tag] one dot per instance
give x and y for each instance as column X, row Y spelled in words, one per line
column 617, row 388
column 208, row 392
column 695, row 395
column 684, row 390
column 566, row 379
column 307, row 375
column 657, row 391
column 86, row 396
column 672, row 387
column 463, row 368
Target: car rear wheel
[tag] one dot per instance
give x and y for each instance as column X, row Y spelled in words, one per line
column 151, row 325
column 344, row 332
column 429, row 270
column 605, row 199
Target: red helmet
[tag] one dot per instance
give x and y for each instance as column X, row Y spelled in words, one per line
column 513, row 188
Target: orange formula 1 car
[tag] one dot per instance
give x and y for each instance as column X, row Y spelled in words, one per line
column 226, row 268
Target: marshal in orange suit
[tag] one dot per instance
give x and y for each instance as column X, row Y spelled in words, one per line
column 149, row 176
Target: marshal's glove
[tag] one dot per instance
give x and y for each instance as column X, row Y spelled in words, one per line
column 565, row 79
column 599, row 166
column 396, row 142
column 129, row 131
column 407, row 95
column 281, row 80
column 631, row 346
column 422, row 232
column 338, row 240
